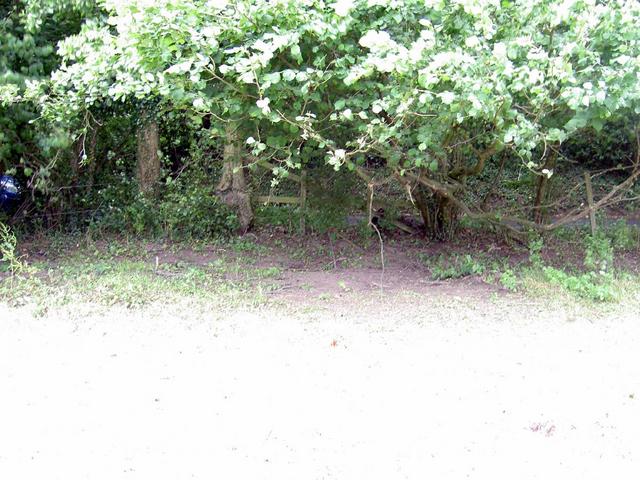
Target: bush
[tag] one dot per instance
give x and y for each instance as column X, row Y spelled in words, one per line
column 187, row 208
column 194, row 211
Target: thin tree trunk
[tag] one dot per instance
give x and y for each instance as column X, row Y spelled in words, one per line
column 148, row 168
column 541, row 189
column 232, row 188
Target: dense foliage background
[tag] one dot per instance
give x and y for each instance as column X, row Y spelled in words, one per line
column 159, row 116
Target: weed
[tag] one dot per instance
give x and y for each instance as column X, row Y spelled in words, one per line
column 535, row 251
column 590, row 285
column 623, row 236
column 509, row 280
column 8, row 256
column 456, row 266
column 598, row 253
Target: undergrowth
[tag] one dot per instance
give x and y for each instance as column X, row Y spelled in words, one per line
column 453, row 266
column 595, row 282
column 9, row 259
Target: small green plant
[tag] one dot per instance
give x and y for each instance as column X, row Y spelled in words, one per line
column 598, row 253
column 456, row 266
column 509, row 280
column 535, row 251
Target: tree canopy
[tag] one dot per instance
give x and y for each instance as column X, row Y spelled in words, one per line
column 432, row 88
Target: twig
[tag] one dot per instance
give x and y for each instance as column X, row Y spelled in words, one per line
column 373, row 225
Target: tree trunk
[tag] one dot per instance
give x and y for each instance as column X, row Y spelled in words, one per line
column 232, row 188
column 148, row 168
column 439, row 214
column 541, row 189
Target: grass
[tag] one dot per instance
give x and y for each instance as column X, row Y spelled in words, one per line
column 135, row 283
column 134, row 273
column 590, row 274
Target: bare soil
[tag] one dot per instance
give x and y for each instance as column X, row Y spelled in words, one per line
column 394, row 386
column 348, row 371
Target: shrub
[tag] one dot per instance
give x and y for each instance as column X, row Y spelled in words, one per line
column 195, row 211
column 186, row 208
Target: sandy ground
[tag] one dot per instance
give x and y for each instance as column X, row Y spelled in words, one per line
column 513, row 391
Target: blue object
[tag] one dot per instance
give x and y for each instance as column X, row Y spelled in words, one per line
column 9, row 192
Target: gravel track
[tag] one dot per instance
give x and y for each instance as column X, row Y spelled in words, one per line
column 463, row 389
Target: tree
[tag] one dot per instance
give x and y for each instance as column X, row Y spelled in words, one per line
column 148, row 161
column 29, row 31
column 434, row 88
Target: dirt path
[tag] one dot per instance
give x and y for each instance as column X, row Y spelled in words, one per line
column 381, row 391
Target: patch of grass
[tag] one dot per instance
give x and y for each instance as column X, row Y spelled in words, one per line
column 134, row 283
column 242, row 245
column 268, row 272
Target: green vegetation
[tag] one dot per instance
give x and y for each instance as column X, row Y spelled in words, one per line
column 598, row 280
column 9, row 259
column 455, row 266
column 135, row 282
column 365, row 120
